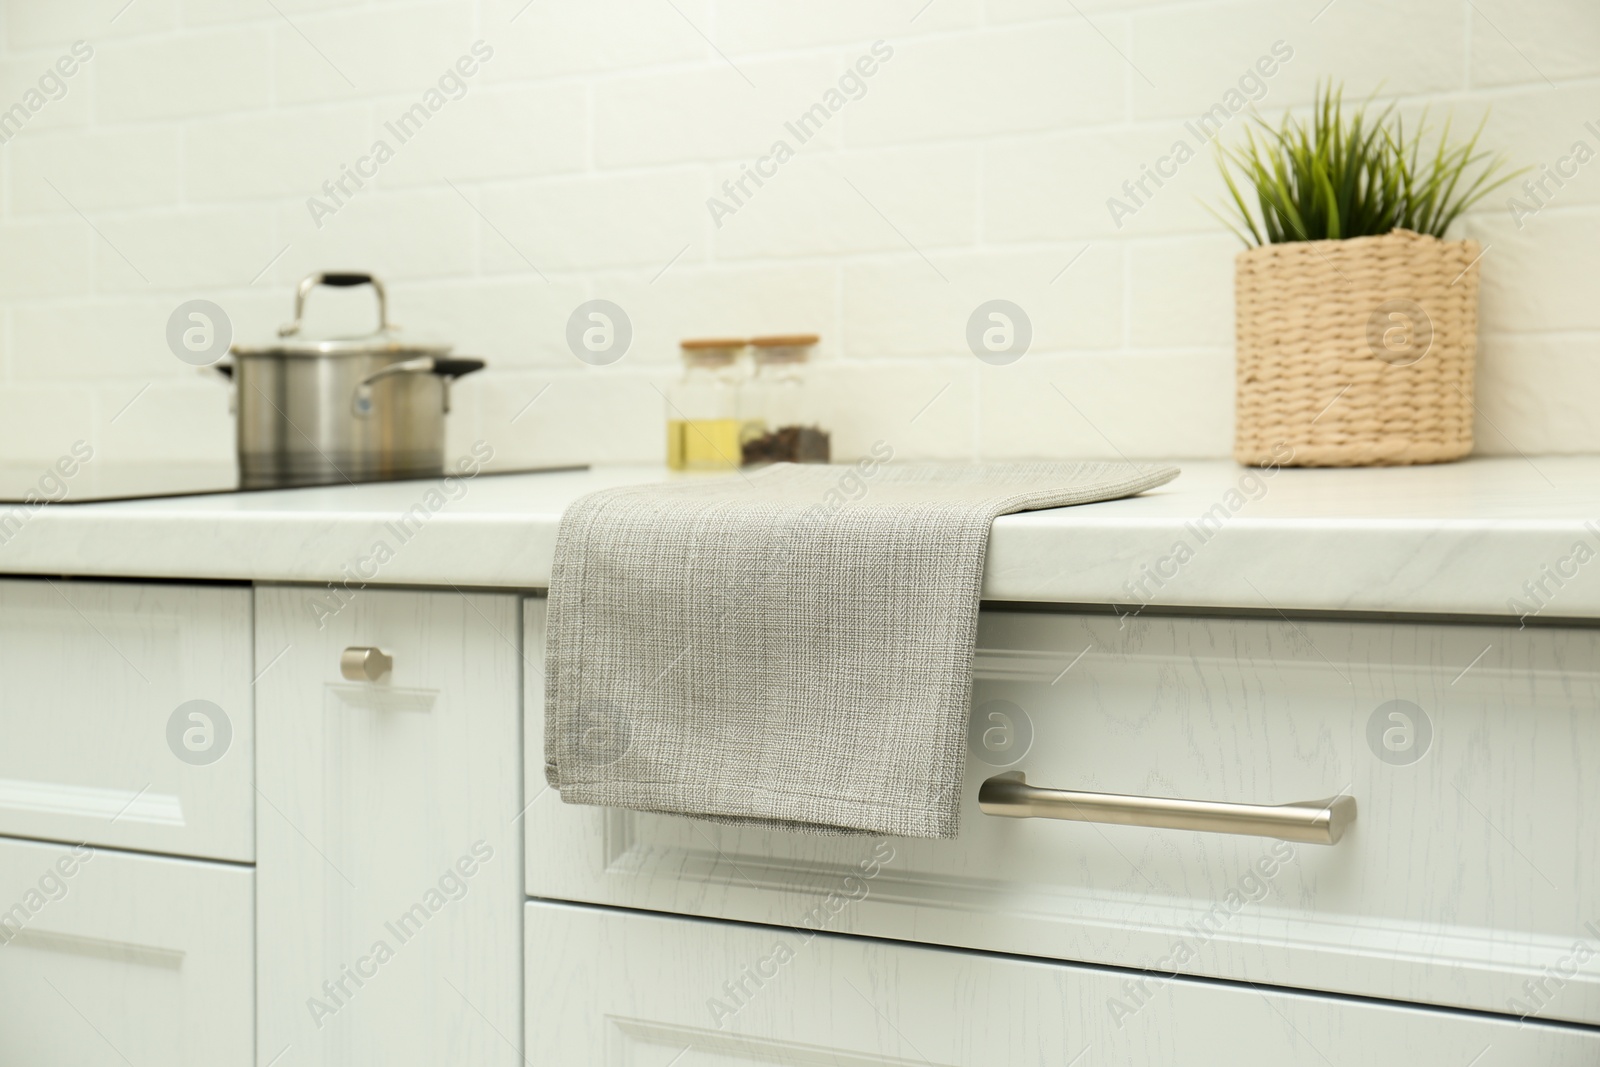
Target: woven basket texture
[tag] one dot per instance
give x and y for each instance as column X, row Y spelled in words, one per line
column 1357, row 352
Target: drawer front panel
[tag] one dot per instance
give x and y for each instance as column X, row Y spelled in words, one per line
column 110, row 958
column 1468, row 878
column 127, row 716
column 613, row 988
column 390, row 846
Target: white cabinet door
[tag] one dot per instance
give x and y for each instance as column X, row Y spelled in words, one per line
column 617, row 987
column 126, row 715
column 1469, row 879
column 110, row 958
column 388, row 844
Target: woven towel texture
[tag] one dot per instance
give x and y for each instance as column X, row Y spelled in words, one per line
column 790, row 648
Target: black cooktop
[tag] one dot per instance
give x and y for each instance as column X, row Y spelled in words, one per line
column 71, row 481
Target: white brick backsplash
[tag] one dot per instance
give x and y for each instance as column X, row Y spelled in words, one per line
column 922, row 410
column 351, row 55
column 256, row 313
column 598, row 36
column 290, row 155
column 421, row 233
column 39, row 423
column 31, row 24
column 207, row 73
column 19, row 77
column 92, row 341
column 45, row 258
column 1194, row 56
column 508, row 322
column 764, row 27
column 1001, row 141
column 175, row 421
column 717, row 300
column 1538, row 128
column 995, row 81
column 901, row 306
column 497, row 132
column 210, row 12
column 1540, row 278
column 1180, row 293
column 859, row 202
column 717, row 114
column 564, row 224
column 1536, row 394
column 1003, row 11
column 124, row 338
column 1551, row 134
column 1515, row 42
column 181, row 251
column 1061, row 188
column 607, row 416
column 113, row 169
column 1108, row 406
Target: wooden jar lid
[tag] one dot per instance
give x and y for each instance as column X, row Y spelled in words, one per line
column 786, row 340
column 701, row 344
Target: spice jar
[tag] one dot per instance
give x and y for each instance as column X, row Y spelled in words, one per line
column 781, row 407
column 703, row 407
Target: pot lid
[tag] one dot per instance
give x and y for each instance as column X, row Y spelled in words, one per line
column 379, row 343
column 386, row 340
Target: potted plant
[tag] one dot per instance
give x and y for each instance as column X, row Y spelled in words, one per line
column 1356, row 320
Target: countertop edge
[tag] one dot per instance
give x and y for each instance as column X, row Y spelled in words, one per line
column 1479, row 540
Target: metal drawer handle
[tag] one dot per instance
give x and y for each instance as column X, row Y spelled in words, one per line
column 1312, row 822
column 365, row 664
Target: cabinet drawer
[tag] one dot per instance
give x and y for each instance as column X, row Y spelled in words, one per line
column 1468, row 878
column 390, row 848
column 618, row 987
column 110, row 958
column 127, row 718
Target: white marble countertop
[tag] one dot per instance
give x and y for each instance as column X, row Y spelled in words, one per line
column 1477, row 537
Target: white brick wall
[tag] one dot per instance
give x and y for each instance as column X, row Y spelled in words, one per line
column 974, row 165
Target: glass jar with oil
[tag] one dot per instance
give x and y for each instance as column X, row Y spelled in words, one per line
column 704, row 426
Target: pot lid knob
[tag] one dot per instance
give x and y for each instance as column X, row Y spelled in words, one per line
column 337, row 280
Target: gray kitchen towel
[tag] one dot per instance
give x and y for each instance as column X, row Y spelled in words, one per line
column 790, row 648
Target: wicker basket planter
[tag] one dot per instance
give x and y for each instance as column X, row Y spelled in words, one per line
column 1357, row 352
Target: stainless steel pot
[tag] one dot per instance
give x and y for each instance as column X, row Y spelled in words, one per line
column 341, row 409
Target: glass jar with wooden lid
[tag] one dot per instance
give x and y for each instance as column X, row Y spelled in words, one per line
column 782, row 407
column 703, row 406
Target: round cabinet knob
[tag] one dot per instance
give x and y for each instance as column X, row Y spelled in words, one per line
column 365, row 664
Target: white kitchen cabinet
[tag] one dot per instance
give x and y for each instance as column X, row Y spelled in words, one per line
column 1468, row 878
column 113, row 958
column 388, row 838
column 126, row 715
column 618, row 987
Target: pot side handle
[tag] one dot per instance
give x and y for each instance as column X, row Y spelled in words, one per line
column 225, row 371
column 448, row 369
column 457, row 368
